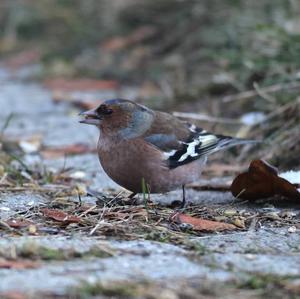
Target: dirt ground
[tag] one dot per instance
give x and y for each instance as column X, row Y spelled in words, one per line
column 120, row 249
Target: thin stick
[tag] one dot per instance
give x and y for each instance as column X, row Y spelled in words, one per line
column 264, row 90
column 5, row 225
column 263, row 94
column 101, row 221
column 88, row 210
column 6, row 123
column 3, row 178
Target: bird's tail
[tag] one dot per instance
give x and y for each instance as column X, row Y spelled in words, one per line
column 225, row 142
column 210, row 143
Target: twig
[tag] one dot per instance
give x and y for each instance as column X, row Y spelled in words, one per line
column 263, row 94
column 88, row 210
column 6, row 226
column 262, row 91
column 207, row 118
column 101, row 220
column 281, row 110
column 34, row 189
column 3, row 178
column 14, row 157
column 6, row 123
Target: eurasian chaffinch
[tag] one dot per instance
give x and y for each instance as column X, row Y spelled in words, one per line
column 139, row 144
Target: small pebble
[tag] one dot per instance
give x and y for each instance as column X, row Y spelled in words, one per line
column 78, row 175
column 292, row 229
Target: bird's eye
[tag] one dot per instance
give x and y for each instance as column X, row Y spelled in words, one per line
column 104, row 110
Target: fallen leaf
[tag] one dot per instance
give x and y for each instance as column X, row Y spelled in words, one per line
column 19, row 60
column 149, row 90
column 137, row 36
column 18, row 223
column 80, row 84
column 76, row 100
column 115, row 43
column 262, row 181
column 19, row 264
column 74, row 149
column 201, row 224
column 60, row 216
column 13, row 295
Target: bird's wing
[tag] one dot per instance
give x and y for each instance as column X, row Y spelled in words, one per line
column 182, row 142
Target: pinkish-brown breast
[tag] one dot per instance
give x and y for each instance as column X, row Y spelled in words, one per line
column 127, row 162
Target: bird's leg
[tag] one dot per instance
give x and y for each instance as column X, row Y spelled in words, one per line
column 130, row 199
column 132, row 195
column 183, row 198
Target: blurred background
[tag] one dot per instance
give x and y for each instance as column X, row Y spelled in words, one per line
column 232, row 66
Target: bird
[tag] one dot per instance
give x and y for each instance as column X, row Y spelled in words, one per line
column 139, row 146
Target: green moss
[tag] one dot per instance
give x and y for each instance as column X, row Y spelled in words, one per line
column 32, row 251
column 96, row 251
column 197, row 247
column 86, row 290
column 35, row 252
column 157, row 236
column 264, row 282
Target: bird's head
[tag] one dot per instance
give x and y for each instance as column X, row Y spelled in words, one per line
column 120, row 117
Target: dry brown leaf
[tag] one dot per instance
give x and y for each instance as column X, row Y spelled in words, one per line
column 19, row 264
column 262, row 181
column 120, row 42
column 60, row 216
column 80, row 84
column 18, row 223
column 73, row 149
column 21, row 59
column 201, row 224
column 148, row 90
column 13, row 295
column 75, row 100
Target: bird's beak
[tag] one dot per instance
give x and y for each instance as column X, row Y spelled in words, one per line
column 91, row 117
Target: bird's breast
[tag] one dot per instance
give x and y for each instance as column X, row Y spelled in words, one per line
column 128, row 162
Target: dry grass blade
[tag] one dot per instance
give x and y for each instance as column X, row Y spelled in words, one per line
column 295, row 85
